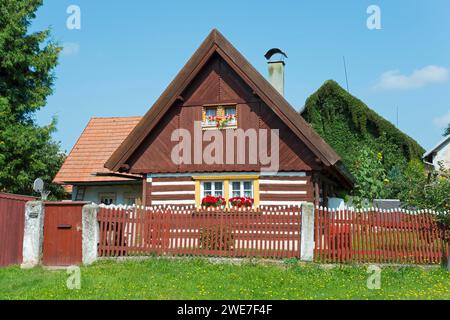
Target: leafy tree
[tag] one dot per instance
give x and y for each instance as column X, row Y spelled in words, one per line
column 370, row 177
column 27, row 60
column 447, row 131
column 420, row 189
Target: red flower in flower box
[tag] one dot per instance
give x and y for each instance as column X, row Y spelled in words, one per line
column 211, row 201
column 241, row 202
column 221, row 121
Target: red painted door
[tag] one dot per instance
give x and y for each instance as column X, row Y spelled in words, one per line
column 62, row 234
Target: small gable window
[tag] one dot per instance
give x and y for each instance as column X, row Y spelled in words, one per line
column 219, row 117
column 211, row 112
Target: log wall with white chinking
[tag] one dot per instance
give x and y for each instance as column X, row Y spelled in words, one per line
column 285, row 190
column 273, row 190
column 170, row 191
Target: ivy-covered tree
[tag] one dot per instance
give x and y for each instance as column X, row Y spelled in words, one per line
column 348, row 125
column 27, row 61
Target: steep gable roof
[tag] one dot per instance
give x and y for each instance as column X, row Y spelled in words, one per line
column 217, row 43
column 99, row 140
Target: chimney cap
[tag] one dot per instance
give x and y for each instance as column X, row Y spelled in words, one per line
column 274, row 51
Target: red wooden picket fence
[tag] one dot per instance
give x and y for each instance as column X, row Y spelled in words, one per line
column 379, row 236
column 187, row 231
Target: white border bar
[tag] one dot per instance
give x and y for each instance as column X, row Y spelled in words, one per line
column 281, row 203
column 302, row 182
column 173, row 183
column 282, row 192
column 166, row 193
column 171, row 202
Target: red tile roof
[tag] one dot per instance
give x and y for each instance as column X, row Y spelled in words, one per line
column 100, row 138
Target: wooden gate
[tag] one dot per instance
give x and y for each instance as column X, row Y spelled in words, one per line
column 62, row 233
column 12, row 213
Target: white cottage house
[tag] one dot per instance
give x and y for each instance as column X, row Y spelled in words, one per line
column 440, row 154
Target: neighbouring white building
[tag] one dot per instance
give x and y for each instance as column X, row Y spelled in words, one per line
column 439, row 154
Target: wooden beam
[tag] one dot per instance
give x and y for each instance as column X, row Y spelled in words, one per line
column 144, row 191
column 315, row 179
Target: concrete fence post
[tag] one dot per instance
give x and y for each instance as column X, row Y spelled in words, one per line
column 90, row 233
column 33, row 234
column 307, row 235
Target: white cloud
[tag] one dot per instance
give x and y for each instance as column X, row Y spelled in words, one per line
column 442, row 121
column 70, row 49
column 394, row 80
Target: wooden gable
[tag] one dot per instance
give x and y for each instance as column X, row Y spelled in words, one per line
column 218, row 73
column 218, row 84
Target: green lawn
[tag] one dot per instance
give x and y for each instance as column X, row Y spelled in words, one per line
column 199, row 279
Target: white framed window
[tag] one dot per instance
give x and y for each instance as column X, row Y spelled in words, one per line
column 212, row 188
column 241, row 189
column 231, row 111
column 210, row 112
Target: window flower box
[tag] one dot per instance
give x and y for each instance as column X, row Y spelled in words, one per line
column 241, row 202
column 211, row 201
column 220, row 122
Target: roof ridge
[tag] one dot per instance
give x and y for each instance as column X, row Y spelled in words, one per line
column 81, row 158
column 437, row 146
column 215, row 42
column 120, row 117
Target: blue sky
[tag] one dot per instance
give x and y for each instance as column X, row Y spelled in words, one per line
column 127, row 52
